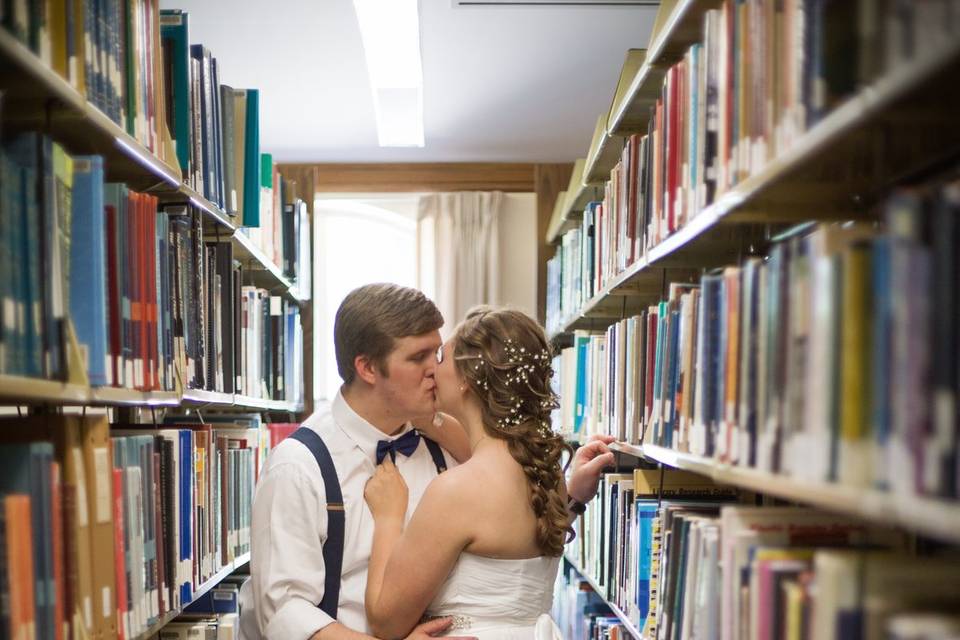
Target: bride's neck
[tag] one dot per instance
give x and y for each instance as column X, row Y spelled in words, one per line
column 472, row 420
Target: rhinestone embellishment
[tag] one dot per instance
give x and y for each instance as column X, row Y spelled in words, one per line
column 457, row 622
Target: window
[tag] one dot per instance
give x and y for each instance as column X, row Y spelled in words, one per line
column 359, row 241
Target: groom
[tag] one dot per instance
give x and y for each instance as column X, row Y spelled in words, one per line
column 309, row 513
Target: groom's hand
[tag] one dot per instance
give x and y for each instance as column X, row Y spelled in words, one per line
column 432, row 628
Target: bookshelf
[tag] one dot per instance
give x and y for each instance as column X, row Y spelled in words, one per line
column 23, row 391
column 744, row 337
column 139, row 466
column 934, row 517
column 216, row 579
column 710, row 237
column 682, row 27
column 624, row 618
column 85, row 129
column 569, row 208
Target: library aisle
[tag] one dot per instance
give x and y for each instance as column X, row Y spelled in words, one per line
column 747, row 275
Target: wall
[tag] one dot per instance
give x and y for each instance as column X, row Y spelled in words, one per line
column 518, row 252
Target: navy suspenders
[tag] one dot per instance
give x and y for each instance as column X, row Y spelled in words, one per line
column 438, row 460
column 336, row 519
column 336, row 516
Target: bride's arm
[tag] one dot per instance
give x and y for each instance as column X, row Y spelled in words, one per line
column 408, row 565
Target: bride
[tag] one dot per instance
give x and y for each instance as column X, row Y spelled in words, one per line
column 484, row 544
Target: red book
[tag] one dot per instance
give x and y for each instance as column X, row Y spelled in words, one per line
column 20, row 574
column 150, row 212
column 279, row 431
column 123, row 622
column 673, row 145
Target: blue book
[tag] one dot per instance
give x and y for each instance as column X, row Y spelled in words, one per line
column 186, row 508
column 710, row 287
column 175, row 33
column 659, row 373
column 9, row 211
column 26, row 468
column 24, row 151
column 673, row 380
column 251, row 161
column 222, row 599
column 88, row 274
column 645, row 513
column 583, row 356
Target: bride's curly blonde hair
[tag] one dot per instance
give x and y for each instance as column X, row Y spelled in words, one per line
column 505, row 358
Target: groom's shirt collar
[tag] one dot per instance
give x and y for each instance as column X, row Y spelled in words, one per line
column 363, row 434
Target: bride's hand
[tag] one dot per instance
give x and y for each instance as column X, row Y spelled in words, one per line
column 386, row 492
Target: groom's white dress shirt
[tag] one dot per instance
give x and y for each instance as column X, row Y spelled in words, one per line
column 289, row 527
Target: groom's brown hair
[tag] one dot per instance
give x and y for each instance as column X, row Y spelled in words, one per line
column 371, row 317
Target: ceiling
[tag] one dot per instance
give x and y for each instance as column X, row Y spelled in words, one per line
column 501, row 84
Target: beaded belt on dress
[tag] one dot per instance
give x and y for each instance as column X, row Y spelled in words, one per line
column 460, row 622
column 457, row 622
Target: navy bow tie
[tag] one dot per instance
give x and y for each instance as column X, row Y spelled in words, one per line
column 405, row 444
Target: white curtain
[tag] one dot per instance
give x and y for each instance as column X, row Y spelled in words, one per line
column 458, row 251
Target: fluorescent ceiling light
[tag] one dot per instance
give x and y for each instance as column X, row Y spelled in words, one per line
column 390, row 30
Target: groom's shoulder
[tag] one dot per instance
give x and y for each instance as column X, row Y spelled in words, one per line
column 292, row 452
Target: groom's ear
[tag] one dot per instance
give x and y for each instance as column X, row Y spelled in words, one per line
column 365, row 368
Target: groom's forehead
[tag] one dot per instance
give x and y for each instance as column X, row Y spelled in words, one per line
column 409, row 344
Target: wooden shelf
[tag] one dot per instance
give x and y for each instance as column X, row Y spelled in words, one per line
column 935, row 517
column 115, row 396
column 263, row 271
column 624, row 619
column 569, row 210
column 604, row 153
column 202, row 397
column 19, row 390
column 682, row 27
column 265, row 405
column 171, row 615
column 23, row 390
column 813, row 180
column 35, row 96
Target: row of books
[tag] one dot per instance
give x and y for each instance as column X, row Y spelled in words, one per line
column 835, row 358
column 136, row 63
column 107, row 50
column 213, row 616
column 104, row 528
column 695, row 565
column 154, row 303
column 762, row 75
column 216, row 127
column 580, row 613
column 284, row 232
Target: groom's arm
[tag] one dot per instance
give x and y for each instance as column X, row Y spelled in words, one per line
column 287, row 571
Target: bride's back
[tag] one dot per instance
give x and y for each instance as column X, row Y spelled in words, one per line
column 504, row 523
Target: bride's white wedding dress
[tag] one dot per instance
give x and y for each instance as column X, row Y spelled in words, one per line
column 496, row 599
